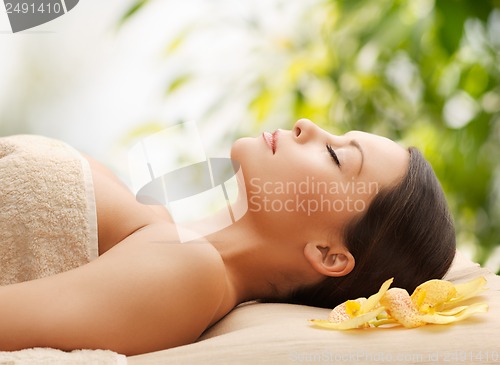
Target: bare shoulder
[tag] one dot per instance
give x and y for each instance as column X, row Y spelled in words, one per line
column 158, row 243
column 190, row 276
column 148, row 293
column 119, row 214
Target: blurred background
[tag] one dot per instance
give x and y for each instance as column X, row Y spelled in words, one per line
column 422, row 72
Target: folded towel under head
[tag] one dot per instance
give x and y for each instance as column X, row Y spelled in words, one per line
column 47, row 209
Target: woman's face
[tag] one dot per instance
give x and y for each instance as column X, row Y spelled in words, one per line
column 307, row 182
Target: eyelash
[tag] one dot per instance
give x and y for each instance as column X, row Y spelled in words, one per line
column 333, row 154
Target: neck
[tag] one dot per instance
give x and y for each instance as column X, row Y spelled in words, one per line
column 252, row 265
column 258, row 264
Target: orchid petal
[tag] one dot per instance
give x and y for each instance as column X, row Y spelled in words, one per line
column 373, row 300
column 400, row 307
column 452, row 311
column 355, row 322
column 432, row 294
column 339, row 313
column 471, row 288
column 467, row 312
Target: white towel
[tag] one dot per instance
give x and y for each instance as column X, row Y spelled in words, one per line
column 47, row 209
column 47, row 356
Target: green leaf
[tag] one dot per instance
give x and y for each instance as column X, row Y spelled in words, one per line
column 178, row 83
column 177, row 41
column 133, row 9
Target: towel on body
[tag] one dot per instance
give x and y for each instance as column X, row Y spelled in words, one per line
column 47, row 209
column 48, row 356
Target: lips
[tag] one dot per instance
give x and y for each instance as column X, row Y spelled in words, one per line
column 271, row 140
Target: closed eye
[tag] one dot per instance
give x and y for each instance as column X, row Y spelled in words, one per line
column 333, row 154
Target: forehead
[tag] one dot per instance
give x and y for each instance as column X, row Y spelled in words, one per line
column 370, row 137
column 385, row 161
column 376, row 143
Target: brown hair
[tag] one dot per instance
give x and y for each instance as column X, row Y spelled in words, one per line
column 406, row 233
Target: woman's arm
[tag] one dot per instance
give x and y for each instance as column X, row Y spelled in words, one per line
column 142, row 295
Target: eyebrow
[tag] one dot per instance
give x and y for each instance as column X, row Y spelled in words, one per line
column 356, row 144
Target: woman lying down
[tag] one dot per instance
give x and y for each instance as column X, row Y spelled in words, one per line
column 122, row 288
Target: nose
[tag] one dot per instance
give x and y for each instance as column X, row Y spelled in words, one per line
column 305, row 130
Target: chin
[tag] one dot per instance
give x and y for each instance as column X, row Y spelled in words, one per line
column 241, row 148
column 246, row 152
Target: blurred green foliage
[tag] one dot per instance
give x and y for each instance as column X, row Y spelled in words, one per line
column 424, row 72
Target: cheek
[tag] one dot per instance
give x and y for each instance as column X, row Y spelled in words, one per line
column 292, row 201
column 337, row 202
column 352, row 200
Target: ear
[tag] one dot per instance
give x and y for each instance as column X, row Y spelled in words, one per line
column 329, row 260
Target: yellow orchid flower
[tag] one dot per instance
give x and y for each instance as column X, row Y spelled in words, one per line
column 435, row 301
column 355, row 313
